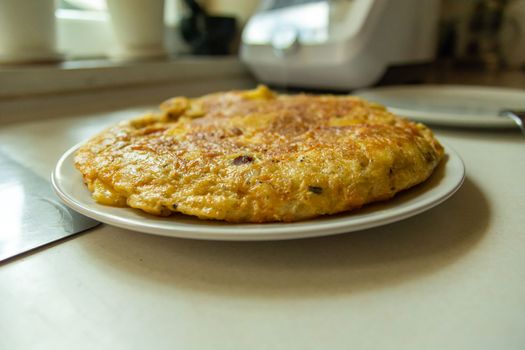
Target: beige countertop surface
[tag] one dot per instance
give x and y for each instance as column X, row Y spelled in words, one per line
column 450, row 278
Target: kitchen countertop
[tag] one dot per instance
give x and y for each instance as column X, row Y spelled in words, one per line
column 450, row 278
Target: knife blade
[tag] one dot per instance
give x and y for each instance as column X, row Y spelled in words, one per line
column 31, row 215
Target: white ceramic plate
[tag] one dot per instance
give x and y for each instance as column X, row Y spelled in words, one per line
column 446, row 180
column 450, row 105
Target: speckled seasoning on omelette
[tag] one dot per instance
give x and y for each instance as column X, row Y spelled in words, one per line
column 257, row 156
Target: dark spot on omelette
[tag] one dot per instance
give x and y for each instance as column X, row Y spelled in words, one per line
column 240, row 160
column 315, row 189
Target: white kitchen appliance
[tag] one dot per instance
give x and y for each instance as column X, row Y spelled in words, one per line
column 338, row 44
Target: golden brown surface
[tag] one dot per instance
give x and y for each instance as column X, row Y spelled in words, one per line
column 255, row 156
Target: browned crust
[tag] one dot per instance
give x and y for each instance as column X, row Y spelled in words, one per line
column 256, row 156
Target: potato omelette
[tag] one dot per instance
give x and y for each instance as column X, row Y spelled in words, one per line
column 258, row 156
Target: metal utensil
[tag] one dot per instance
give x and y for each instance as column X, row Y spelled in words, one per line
column 517, row 116
column 30, row 213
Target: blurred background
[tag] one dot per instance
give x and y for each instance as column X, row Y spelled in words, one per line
column 489, row 33
column 337, row 45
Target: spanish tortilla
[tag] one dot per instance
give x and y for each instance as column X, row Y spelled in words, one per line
column 258, row 156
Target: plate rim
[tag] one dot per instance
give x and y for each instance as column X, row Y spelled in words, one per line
column 252, row 232
column 443, row 118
